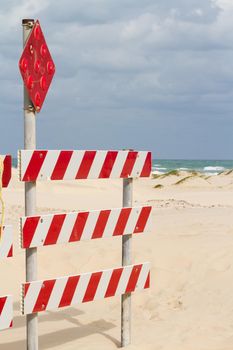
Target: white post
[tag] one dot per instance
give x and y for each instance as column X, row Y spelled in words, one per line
column 30, row 197
column 126, row 260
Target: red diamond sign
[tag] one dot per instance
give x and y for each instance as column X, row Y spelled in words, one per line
column 36, row 66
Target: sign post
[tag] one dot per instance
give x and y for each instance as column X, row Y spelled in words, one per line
column 37, row 69
column 30, row 196
column 126, row 260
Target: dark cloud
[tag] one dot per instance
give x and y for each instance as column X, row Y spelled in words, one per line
column 130, row 73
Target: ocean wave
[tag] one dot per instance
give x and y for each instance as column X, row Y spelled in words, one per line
column 183, row 169
column 214, row 168
column 156, row 172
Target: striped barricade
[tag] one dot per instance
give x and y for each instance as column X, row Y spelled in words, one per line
column 6, row 312
column 6, row 242
column 56, row 293
column 6, row 175
column 6, row 245
column 51, row 229
column 6, row 302
column 37, row 165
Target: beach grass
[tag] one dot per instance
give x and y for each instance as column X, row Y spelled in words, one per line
column 159, row 186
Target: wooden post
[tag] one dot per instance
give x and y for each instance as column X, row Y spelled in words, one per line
column 30, row 197
column 126, row 260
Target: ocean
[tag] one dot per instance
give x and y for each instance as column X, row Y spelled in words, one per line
column 208, row 167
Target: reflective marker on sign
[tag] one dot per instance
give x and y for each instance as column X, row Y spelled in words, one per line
column 24, row 65
column 37, row 99
column 37, row 66
column 37, row 32
column 43, row 50
column 50, row 67
column 43, row 82
column 29, row 82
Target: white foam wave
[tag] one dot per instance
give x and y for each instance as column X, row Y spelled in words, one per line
column 156, row 172
column 214, row 168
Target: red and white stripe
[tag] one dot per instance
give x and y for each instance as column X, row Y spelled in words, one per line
column 56, row 293
column 77, row 226
column 71, row 165
column 6, row 312
column 6, row 176
column 6, row 242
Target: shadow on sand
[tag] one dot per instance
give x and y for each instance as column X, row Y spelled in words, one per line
column 54, row 339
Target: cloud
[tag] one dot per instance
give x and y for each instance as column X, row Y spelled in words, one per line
column 129, row 72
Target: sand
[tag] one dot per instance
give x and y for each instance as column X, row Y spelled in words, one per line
column 189, row 305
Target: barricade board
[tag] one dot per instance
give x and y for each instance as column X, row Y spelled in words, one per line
column 53, row 229
column 6, row 242
column 6, row 312
column 56, row 293
column 72, row 165
column 6, row 176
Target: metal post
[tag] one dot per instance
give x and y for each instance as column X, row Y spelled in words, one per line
column 126, row 260
column 30, row 197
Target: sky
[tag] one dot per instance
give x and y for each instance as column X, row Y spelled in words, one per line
column 138, row 74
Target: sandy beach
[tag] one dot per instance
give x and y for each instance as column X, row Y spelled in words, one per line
column 190, row 302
